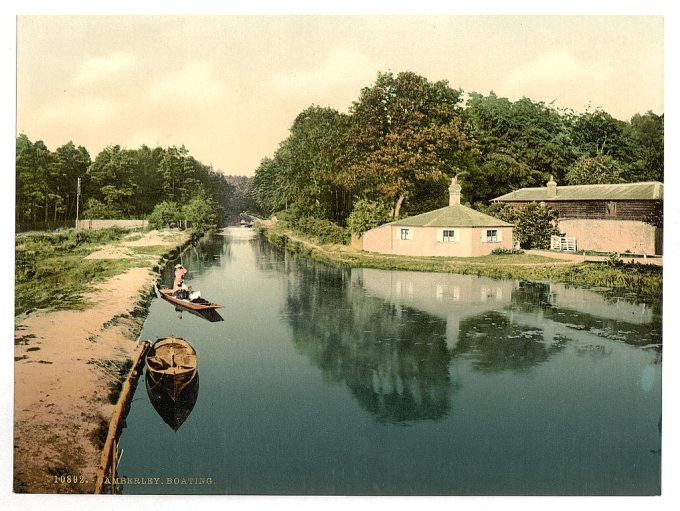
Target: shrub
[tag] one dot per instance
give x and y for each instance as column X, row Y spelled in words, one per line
column 534, row 224
column 367, row 215
column 164, row 214
column 201, row 214
column 324, row 231
column 506, row 251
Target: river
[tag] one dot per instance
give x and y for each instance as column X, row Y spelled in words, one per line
column 331, row 380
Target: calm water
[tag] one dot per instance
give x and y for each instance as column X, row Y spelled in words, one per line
column 327, row 380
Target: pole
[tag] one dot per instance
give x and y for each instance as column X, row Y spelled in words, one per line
column 77, row 202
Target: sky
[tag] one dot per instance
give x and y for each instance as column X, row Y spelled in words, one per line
column 229, row 87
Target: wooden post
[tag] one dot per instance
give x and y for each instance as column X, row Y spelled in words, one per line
column 108, row 456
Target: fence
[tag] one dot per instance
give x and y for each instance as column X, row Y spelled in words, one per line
column 103, row 224
column 565, row 243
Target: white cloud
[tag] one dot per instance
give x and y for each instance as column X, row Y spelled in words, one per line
column 85, row 110
column 341, row 66
column 557, row 69
column 195, row 84
column 101, row 68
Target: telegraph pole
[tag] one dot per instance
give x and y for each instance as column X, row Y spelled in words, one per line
column 77, row 202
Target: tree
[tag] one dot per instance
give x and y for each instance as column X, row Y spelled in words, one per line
column 404, row 131
column 600, row 169
column 200, row 213
column 367, row 215
column 519, row 144
column 534, row 224
column 165, row 214
column 647, row 133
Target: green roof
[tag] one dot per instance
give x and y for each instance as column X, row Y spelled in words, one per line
column 452, row 216
column 651, row 190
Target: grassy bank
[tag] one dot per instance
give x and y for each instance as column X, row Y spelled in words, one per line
column 645, row 281
column 52, row 272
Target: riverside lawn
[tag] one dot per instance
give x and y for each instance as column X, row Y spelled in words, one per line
column 638, row 281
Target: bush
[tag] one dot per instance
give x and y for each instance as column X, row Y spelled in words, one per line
column 534, row 224
column 506, row 251
column 164, row 214
column 323, row 231
column 367, row 215
column 201, row 214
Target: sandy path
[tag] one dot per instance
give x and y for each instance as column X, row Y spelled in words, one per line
column 65, row 364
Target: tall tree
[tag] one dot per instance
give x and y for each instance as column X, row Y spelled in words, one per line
column 404, row 131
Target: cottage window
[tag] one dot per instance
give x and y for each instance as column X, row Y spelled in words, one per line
column 448, row 235
column 405, row 234
column 492, row 235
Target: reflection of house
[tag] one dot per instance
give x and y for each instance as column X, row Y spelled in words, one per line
column 606, row 218
column 454, row 230
column 447, row 296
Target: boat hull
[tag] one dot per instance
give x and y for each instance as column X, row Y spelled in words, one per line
column 172, row 365
column 166, row 294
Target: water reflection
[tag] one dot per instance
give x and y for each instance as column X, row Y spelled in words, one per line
column 210, row 251
column 390, row 337
column 394, row 360
column 173, row 407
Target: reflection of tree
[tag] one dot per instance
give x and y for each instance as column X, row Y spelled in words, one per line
column 494, row 344
column 208, row 252
column 394, row 360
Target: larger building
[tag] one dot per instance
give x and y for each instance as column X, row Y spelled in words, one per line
column 606, row 218
column 454, row 230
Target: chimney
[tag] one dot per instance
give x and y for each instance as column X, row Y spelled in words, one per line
column 454, row 192
column 552, row 188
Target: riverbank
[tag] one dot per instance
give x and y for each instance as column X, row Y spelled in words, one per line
column 645, row 282
column 71, row 353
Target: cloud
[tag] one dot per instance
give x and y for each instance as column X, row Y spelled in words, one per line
column 341, row 66
column 557, row 68
column 101, row 68
column 195, row 84
column 85, row 110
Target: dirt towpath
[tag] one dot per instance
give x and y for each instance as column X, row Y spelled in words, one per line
column 67, row 366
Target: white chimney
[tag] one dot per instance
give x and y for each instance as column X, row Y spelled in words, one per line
column 454, row 192
column 552, row 188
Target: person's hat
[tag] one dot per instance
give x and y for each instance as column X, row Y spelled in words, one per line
column 179, row 266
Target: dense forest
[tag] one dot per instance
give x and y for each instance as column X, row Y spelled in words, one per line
column 405, row 136
column 119, row 183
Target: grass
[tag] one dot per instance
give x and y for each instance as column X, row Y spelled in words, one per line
column 644, row 281
column 51, row 272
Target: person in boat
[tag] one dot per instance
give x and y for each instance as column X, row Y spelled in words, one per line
column 179, row 288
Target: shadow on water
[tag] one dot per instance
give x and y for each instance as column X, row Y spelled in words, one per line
column 173, row 411
column 208, row 314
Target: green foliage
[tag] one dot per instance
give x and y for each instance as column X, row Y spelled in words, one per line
column 321, row 230
column 367, row 215
column 200, row 213
column 600, row 169
column 119, row 183
column 95, row 209
column 165, row 214
column 51, row 272
column 534, row 224
column 506, row 251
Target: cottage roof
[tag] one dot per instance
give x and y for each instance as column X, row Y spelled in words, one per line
column 650, row 190
column 452, row 216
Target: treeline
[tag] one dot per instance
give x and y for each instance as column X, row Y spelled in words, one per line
column 119, row 183
column 404, row 137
